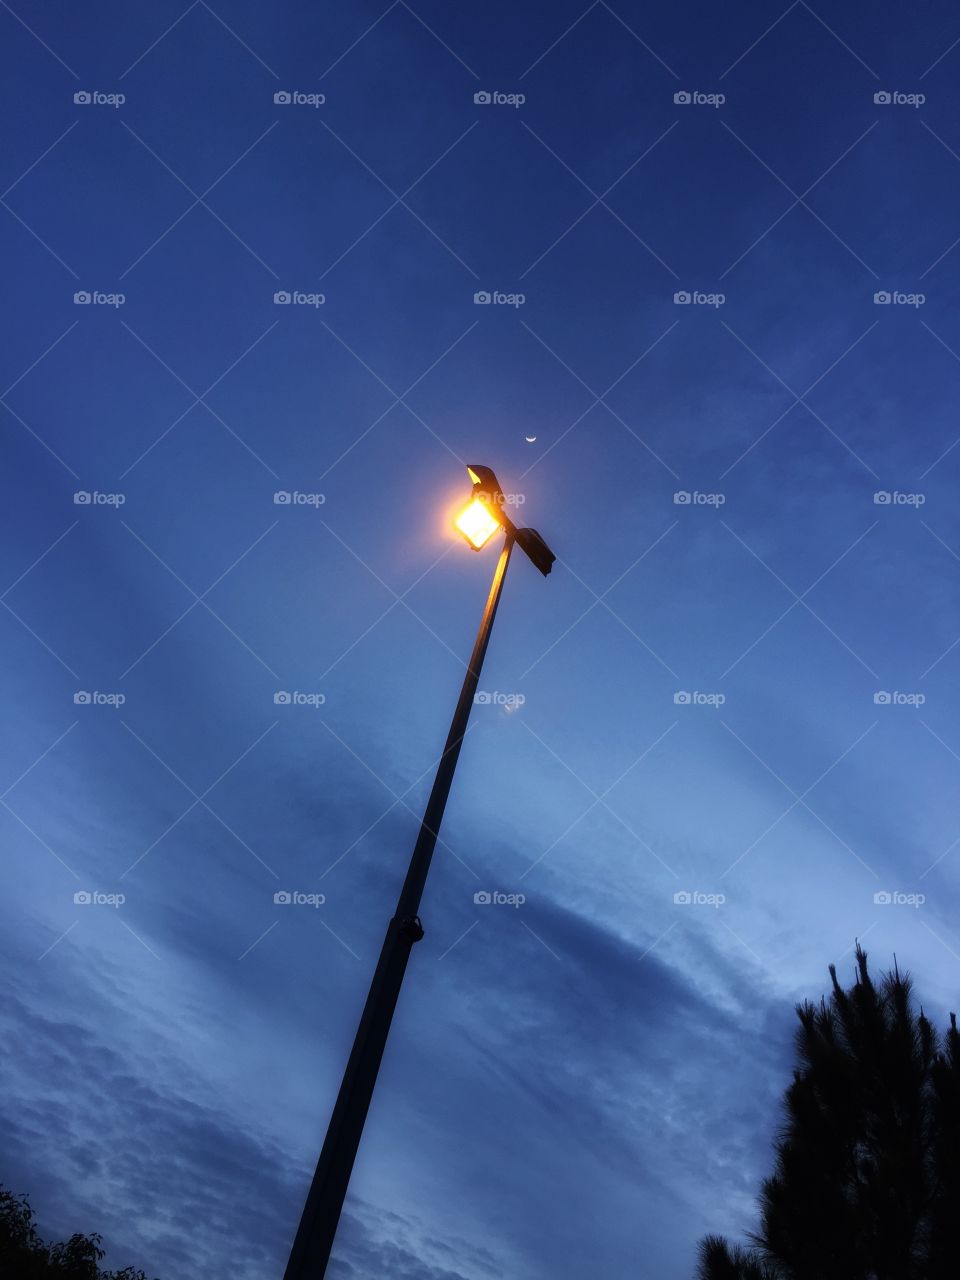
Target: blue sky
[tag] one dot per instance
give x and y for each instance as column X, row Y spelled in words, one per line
column 747, row 698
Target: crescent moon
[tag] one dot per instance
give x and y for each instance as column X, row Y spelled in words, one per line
column 530, row 439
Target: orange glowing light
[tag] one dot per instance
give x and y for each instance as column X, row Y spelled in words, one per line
column 477, row 524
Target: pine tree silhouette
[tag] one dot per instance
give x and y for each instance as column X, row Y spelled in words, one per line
column 866, row 1184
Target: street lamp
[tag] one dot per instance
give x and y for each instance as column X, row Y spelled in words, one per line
column 478, row 522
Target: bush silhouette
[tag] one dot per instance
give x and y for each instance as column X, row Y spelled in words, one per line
column 24, row 1256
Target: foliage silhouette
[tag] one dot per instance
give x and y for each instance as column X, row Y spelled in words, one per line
column 24, row 1256
column 866, row 1184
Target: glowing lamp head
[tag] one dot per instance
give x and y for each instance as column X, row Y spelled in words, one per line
column 477, row 523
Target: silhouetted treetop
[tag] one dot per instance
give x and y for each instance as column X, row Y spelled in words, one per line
column 24, row 1256
column 866, row 1182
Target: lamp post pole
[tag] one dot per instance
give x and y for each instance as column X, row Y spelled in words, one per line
column 321, row 1213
